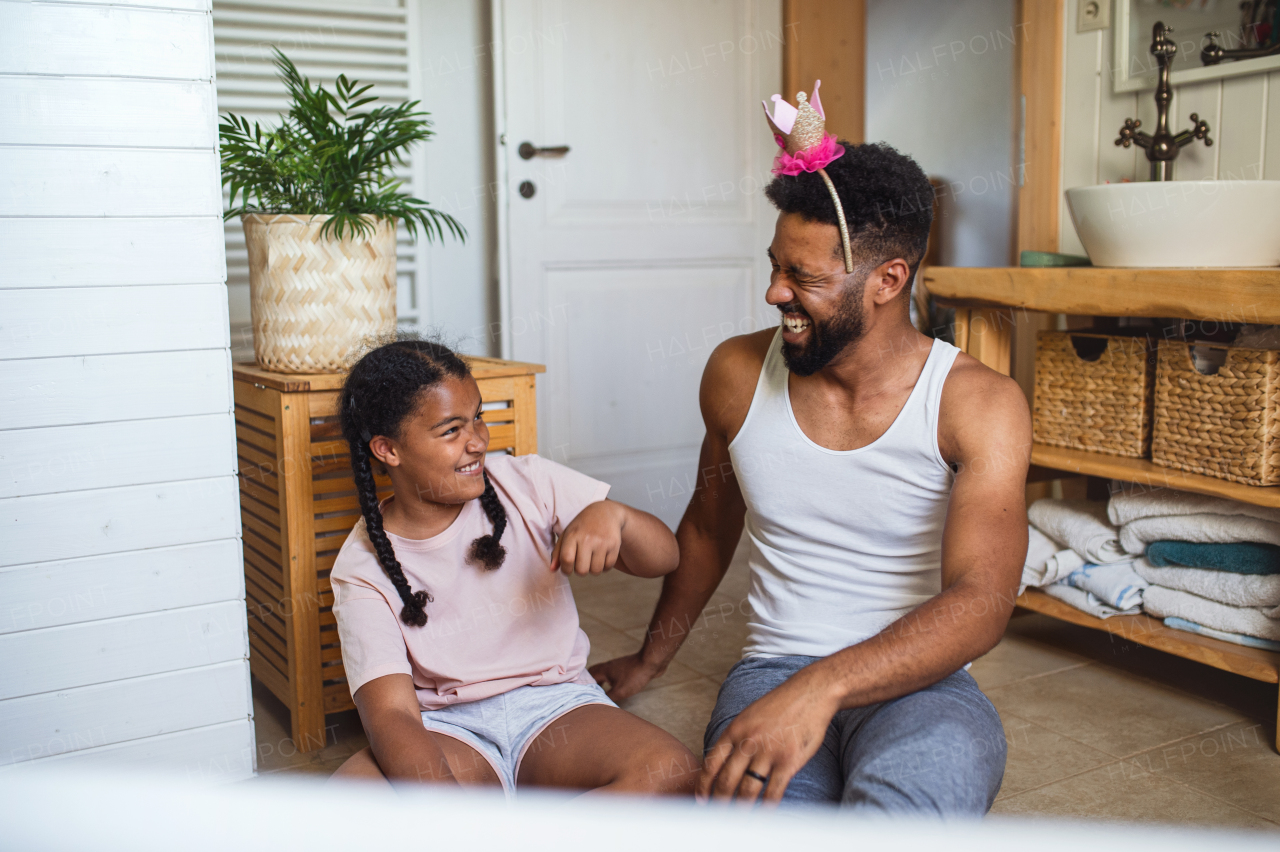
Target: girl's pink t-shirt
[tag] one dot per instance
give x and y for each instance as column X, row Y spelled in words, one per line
column 487, row 632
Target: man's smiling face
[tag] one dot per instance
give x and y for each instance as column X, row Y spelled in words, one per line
column 822, row 306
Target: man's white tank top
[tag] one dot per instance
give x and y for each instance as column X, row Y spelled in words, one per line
column 843, row 543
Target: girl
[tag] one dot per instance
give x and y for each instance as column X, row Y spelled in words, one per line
column 460, row 639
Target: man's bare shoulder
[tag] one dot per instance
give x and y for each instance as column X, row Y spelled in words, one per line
column 980, row 408
column 729, row 380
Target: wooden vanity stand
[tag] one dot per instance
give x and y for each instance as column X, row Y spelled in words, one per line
column 297, row 504
column 987, row 303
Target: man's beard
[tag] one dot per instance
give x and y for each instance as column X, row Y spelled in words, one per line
column 828, row 339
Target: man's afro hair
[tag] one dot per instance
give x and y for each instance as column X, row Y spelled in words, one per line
column 888, row 201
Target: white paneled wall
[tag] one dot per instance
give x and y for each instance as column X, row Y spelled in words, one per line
column 122, row 630
column 1243, row 115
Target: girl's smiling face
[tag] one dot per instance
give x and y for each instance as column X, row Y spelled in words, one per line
column 439, row 453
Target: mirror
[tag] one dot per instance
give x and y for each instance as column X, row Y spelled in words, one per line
column 1240, row 24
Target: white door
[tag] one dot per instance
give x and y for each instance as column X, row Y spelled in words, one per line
column 642, row 246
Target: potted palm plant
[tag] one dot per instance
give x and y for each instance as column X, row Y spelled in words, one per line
column 319, row 204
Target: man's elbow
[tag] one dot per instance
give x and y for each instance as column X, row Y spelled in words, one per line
column 990, row 610
column 992, row 634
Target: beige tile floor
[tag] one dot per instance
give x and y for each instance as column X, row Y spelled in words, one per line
column 1098, row 728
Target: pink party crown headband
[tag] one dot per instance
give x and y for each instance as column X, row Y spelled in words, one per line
column 801, row 133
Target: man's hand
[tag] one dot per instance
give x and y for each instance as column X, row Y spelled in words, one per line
column 592, row 541
column 625, row 675
column 773, row 738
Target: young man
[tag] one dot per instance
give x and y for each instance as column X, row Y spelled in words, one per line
column 881, row 475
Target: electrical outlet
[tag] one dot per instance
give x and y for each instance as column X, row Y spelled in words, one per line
column 1093, row 15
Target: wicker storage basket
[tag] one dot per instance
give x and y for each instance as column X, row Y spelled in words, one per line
column 1102, row 404
column 313, row 300
column 1222, row 425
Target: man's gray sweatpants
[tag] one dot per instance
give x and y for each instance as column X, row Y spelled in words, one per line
column 938, row 752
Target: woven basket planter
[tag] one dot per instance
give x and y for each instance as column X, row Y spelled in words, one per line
column 1222, row 425
column 315, row 299
column 1100, row 404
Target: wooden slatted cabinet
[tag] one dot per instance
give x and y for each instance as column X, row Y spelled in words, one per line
column 297, row 504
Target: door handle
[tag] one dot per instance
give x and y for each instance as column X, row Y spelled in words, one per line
column 528, row 151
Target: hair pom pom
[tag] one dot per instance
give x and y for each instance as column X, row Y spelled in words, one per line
column 414, row 612
column 488, row 549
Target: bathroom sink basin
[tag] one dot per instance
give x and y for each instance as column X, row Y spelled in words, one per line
column 1206, row 223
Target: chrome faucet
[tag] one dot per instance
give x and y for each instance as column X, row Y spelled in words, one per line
column 1162, row 147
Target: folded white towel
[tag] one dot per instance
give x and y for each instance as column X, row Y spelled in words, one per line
column 1060, row 566
column 1115, row 584
column 1085, row 602
column 1131, row 501
column 1039, row 548
column 1256, row 590
column 1237, row 638
column 1165, row 603
column 1202, row 529
column 1046, row 561
column 1081, row 525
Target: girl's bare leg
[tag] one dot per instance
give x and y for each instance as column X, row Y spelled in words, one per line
column 462, row 765
column 598, row 747
column 361, row 766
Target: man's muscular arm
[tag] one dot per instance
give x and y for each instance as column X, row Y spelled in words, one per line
column 986, row 434
column 709, row 531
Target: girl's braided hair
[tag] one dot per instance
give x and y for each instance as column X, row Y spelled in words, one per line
column 382, row 390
